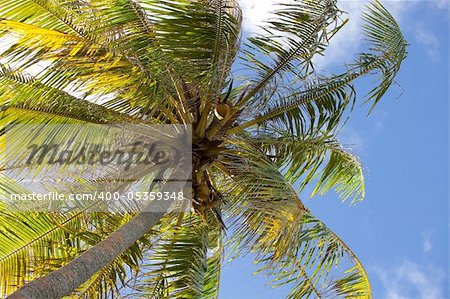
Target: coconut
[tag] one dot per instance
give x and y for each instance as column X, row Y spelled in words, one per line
column 222, row 111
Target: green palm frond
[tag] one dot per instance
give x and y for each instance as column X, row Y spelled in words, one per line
column 253, row 183
column 191, row 32
column 34, row 244
column 45, row 14
column 29, row 241
column 118, row 25
column 388, row 48
column 289, row 244
column 182, row 262
column 305, row 159
column 32, row 240
column 28, row 94
column 321, row 107
column 91, row 70
column 212, row 276
column 70, row 63
column 325, row 266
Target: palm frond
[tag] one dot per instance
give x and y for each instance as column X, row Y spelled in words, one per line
column 28, row 94
column 29, row 241
column 226, row 45
column 320, row 107
column 82, row 67
column 325, row 266
column 211, row 285
column 117, row 25
column 290, row 245
column 388, row 48
column 189, row 32
column 309, row 159
column 176, row 265
column 41, row 13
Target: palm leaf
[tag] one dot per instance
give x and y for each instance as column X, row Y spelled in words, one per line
column 26, row 93
column 177, row 264
column 321, row 106
column 388, row 46
column 290, row 245
column 306, row 159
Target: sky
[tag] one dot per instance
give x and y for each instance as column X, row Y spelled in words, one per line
column 400, row 231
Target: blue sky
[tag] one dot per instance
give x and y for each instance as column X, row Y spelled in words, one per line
column 400, row 232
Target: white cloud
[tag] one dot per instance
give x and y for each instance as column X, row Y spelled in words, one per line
column 427, row 243
column 346, row 44
column 255, row 13
column 352, row 140
column 411, row 280
column 441, row 3
column 379, row 118
column 423, row 36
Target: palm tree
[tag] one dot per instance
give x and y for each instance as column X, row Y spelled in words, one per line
column 264, row 120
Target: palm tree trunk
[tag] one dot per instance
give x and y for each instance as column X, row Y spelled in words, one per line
column 65, row 280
